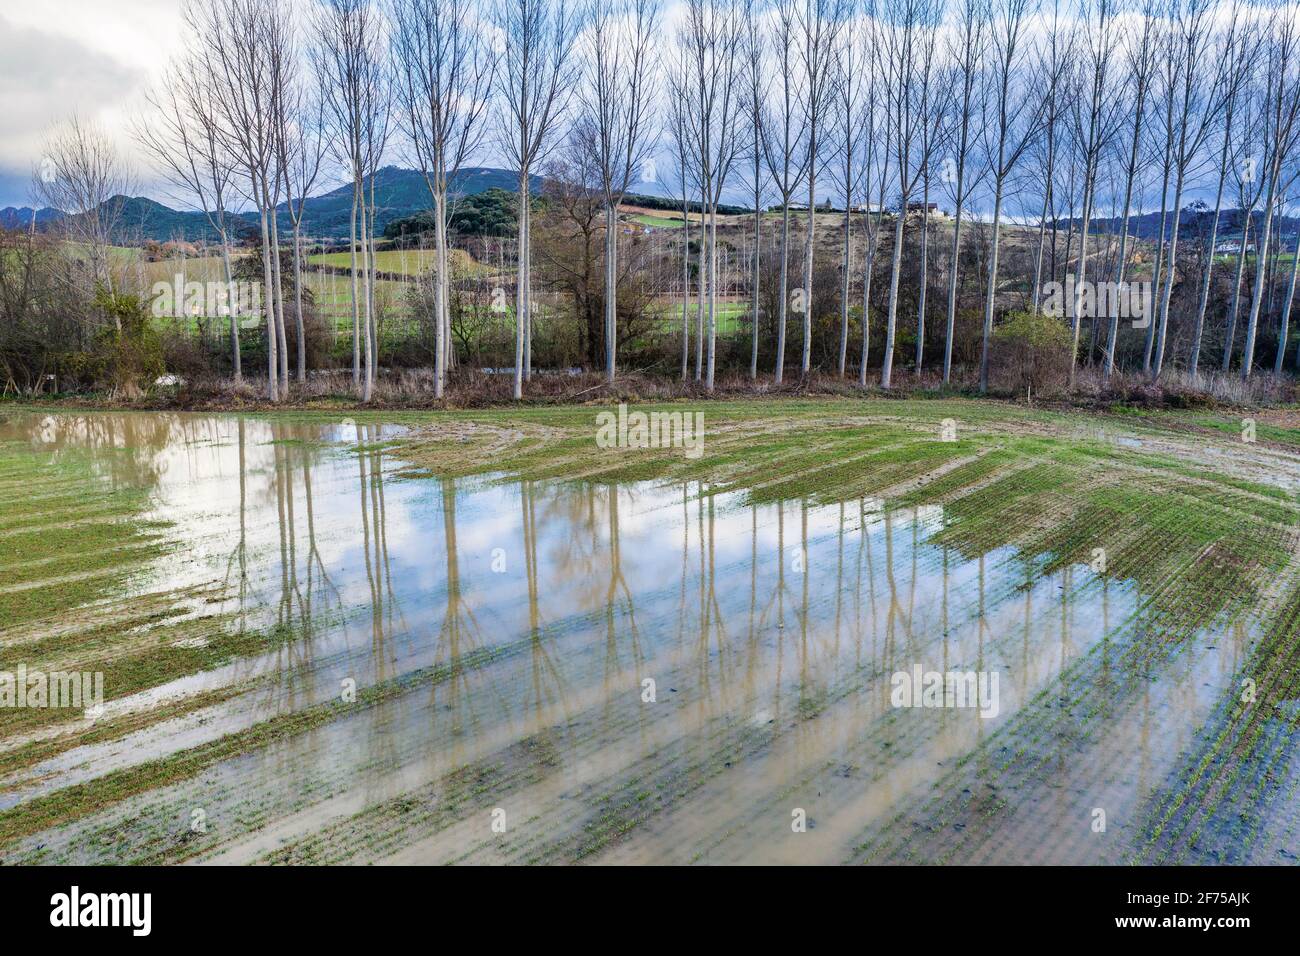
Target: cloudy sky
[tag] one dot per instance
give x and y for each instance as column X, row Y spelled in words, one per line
column 92, row 57
column 95, row 58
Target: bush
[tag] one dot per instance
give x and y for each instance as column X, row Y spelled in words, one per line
column 127, row 353
column 317, row 331
column 184, row 355
column 1030, row 353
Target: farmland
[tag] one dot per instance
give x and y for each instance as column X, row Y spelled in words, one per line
column 357, row 641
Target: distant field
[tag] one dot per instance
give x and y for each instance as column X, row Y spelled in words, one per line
column 660, row 222
column 1230, row 259
column 206, row 269
column 332, row 291
column 409, row 262
column 729, row 315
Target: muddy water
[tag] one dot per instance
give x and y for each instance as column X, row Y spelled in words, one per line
column 608, row 673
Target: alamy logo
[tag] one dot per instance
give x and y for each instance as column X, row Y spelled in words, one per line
column 178, row 298
column 57, row 690
column 1090, row 300
column 103, row 909
column 651, row 430
column 961, row 689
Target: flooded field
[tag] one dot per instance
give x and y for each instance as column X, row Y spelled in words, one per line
column 470, row 639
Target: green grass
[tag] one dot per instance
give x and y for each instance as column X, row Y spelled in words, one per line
column 408, row 262
column 659, row 222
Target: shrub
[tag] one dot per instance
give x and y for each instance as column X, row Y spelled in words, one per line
column 127, row 358
column 1030, row 353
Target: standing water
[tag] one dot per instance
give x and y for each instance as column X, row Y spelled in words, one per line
column 489, row 670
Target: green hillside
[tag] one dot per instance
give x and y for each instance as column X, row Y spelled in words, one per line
column 399, row 193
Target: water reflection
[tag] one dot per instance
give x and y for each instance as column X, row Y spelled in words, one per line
column 511, row 627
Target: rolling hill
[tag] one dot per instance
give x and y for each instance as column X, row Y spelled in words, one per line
column 1195, row 222
column 20, row 217
column 398, row 193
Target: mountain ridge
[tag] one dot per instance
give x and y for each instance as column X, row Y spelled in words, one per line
column 399, row 193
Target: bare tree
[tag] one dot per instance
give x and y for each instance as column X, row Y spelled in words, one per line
column 535, row 77
column 966, row 52
column 444, row 77
column 1249, row 187
column 238, row 48
column 350, row 57
column 850, row 130
column 1139, row 58
column 679, row 105
column 1282, row 100
column 83, row 176
column 782, row 132
column 908, row 35
column 711, row 36
column 819, row 24
column 1058, row 64
column 301, row 147
column 1014, row 117
column 278, row 37
column 183, row 139
column 755, row 87
column 1093, row 130
column 1284, row 325
column 1235, row 50
column 936, row 96
column 876, row 175
column 1166, row 103
column 620, row 67
column 1198, row 101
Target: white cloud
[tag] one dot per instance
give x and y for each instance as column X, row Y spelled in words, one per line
column 94, row 59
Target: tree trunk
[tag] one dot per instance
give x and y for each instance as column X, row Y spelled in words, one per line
column 367, row 342
column 754, row 280
column 700, row 279
column 1108, row 365
column 356, row 289
column 1261, row 258
column 1163, row 323
column 1231, row 331
column 232, row 300
column 867, row 269
column 272, row 359
column 611, row 290
column 952, row 281
column 521, row 285
column 1158, row 274
column 713, row 294
column 1195, row 360
column 297, row 302
column 887, row 362
column 784, row 296
column 844, row 288
column 686, row 285
column 1084, row 225
column 1285, row 327
column 440, row 311
column 925, row 266
column 805, row 362
column 528, row 286
column 991, row 292
column 372, row 313
column 277, row 292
